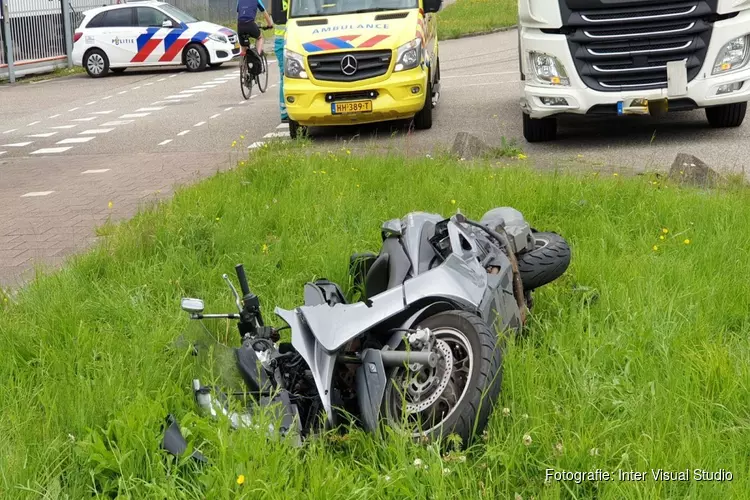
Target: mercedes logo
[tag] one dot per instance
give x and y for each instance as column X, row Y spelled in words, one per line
column 348, row 65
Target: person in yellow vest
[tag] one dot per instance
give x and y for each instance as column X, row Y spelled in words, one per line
column 278, row 12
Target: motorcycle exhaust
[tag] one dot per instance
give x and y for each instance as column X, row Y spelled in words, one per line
column 399, row 358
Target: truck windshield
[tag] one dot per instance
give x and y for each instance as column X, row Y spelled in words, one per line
column 313, row 8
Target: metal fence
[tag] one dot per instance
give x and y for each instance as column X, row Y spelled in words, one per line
column 35, row 36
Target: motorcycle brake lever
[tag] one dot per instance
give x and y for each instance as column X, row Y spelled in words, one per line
column 234, row 292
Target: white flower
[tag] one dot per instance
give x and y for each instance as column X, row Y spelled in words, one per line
column 387, row 478
column 417, row 463
column 527, row 440
column 506, row 412
column 446, row 471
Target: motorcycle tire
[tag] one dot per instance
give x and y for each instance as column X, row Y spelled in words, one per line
column 548, row 260
column 469, row 415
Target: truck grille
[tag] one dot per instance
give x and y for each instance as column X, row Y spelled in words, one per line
column 370, row 64
column 628, row 48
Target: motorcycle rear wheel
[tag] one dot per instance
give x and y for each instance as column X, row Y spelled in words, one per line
column 459, row 402
column 548, row 260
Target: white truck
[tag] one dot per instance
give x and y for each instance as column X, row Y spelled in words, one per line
column 620, row 57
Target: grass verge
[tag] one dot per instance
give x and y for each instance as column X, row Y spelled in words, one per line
column 466, row 17
column 636, row 359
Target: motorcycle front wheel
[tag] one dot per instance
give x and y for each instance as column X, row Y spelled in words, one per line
column 455, row 397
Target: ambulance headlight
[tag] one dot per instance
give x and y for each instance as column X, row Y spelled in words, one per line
column 294, row 65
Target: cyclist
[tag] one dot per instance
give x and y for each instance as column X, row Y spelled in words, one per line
column 278, row 11
column 247, row 10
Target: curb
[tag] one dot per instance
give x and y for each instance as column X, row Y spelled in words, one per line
column 482, row 33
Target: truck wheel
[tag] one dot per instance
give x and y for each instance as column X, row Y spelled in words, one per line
column 423, row 119
column 539, row 130
column 548, row 260
column 457, row 396
column 727, row 115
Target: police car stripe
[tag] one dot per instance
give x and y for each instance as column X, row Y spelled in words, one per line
column 172, row 37
column 175, row 50
column 145, row 37
column 146, row 51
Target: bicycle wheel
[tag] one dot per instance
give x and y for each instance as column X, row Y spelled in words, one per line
column 246, row 81
column 262, row 78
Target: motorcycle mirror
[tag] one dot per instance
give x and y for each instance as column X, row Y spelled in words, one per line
column 193, row 306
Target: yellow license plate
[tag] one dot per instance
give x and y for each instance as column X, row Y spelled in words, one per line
column 340, row 108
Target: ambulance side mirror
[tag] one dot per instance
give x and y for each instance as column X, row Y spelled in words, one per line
column 431, row 6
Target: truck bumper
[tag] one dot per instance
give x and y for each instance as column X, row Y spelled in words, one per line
column 702, row 91
column 400, row 96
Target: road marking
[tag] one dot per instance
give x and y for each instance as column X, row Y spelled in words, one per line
column 150, row 109
column 176, row 96
column 199, row 124
column 36, row 193
column 462, row 85
column 75, row 140
column 54, row 116
column 272, row 86
column 123, row 92
column 253, row 96
column 2, row 152
column 184, row 132
column 161, row 79
column 192, row 91
column 105, row 98
column 46, row 134
column 96, row 131
column 147, row 84
column 214, row 116
column 229, row 108
column 96, row 171
column 276, row 134
column 243, row 102
column 219, row 82
column 18, row 144
column 46, row 151
column 73, row 109
column 117, row 123
column 481, row 74
column 87, row 119
column 135, row 115
column 283, row 125
column 90, row 103
column 33, row 123
column 255, row 145
column 64, row 127
column 162, row 143
column 9, row 131
column 103, row 112
column 136, row 88
column 172, row 76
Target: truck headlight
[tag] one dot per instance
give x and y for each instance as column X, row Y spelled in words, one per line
column 732, row 56
column 409, row 55
column 548, row 70
column 294, row 65
column 218, row 38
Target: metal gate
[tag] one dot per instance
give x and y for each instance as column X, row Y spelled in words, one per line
column 36, row 31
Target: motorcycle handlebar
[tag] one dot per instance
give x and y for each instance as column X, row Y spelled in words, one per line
column 240, row 269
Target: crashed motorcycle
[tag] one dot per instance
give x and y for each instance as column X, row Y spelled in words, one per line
column 419, row 350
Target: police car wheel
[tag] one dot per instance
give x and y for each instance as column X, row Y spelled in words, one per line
column 196, row 57
column 96, row 63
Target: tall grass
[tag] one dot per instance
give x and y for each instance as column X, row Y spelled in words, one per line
column 637, row 358
column 476, row 16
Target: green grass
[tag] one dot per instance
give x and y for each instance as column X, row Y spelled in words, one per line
column 476, row 16
column 637, row 358
column 58, row 73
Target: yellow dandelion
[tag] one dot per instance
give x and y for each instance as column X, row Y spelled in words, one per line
column 322, row 171
column 656, row 248
column 234, row 143
column 241, row 479
column 348, row 152
column 665, row 230
column 218, row 219
column 453, row 202
column 615, row 174
column 687, row 242
column 242, row 137
column 357, row 185
column 522, row 156
column 109, row 205
column 662, row 238
column 264, row 248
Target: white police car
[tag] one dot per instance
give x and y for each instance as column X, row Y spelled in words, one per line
column 149, row 33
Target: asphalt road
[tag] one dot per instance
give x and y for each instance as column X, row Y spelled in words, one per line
column 69, row 147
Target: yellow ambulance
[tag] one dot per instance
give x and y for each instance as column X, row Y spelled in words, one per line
column 349, row 62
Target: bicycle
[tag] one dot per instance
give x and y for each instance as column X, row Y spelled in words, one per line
column 251, row 59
